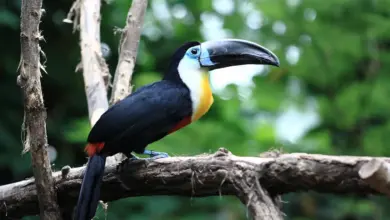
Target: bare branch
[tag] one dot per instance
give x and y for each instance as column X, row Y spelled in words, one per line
column 204, row 175
column 95, row 70
column 377, row 174
column 34, row 125
column 128, row 50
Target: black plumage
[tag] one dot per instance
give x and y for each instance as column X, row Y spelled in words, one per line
column 144, row 117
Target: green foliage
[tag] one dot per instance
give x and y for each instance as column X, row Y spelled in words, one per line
column 333, row 53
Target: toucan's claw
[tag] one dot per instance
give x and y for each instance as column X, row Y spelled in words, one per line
column 155, row 154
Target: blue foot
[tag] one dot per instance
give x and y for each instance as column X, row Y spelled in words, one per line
column 131, row 157
column 155, row 154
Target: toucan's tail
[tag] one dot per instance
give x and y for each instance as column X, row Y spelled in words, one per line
column 90, row 188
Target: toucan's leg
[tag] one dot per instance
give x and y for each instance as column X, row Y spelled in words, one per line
column 155, row 154
column 131, row 156
column 151, row 153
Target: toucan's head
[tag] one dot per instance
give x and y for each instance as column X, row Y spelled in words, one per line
column 210, row 55
column 192, row 60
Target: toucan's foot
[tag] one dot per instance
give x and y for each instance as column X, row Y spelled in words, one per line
column 155, row 154
column 131, row 157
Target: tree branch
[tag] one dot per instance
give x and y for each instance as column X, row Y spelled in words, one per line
column 94, row 65
column 205, row 175
column 95, row 70
column 376, row 173
column 128, row 50
column 34, row 125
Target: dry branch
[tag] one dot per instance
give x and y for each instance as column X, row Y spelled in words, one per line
column 128, row 50
column 204, row 175
column 86, row 15
column 34, row 125
column 377, row 174
column 95, row 69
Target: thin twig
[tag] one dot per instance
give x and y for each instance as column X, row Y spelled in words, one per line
column 128, row 50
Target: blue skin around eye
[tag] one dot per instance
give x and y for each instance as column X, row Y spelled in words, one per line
column 202, row 56
column 193, row 56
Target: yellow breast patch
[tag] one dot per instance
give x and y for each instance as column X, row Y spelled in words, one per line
column 206, row 98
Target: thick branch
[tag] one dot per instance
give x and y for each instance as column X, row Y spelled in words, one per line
column 377, row 174
column 34, row 126
column 128, row 50
column 204, row 175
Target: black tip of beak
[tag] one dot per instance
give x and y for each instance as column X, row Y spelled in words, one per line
column 234, row 52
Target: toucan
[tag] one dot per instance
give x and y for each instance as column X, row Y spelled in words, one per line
column 161, row 108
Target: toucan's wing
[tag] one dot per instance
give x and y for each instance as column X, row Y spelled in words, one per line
column 156, row 107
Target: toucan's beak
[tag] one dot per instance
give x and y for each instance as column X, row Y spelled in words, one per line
column 233, row 52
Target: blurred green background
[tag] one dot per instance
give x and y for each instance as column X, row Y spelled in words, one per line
column 328, row 97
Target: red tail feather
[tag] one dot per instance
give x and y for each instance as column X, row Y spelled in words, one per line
column 93, row 148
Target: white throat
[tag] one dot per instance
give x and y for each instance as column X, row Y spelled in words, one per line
column 193, row 77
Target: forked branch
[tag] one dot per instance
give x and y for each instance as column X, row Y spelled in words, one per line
column 206, row 175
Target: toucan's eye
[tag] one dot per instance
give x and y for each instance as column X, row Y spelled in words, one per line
column 194, row 51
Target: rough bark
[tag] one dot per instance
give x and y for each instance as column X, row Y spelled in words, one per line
column 205, row 175
column 34, row 125
column 128, row 50
column 377, row 174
